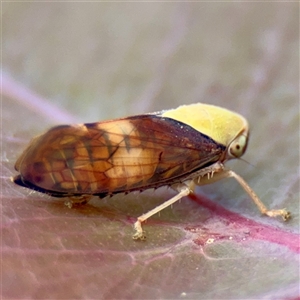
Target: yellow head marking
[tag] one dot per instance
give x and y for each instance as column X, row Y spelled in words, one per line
column 220, row 124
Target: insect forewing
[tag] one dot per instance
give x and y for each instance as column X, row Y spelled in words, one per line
column 121, row 155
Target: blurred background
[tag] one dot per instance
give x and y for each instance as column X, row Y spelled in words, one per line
column 107, row 60
column 66, row 62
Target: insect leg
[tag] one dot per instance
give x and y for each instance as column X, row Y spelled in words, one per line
column 183, row 189
column 77, row 200
column 229, row 173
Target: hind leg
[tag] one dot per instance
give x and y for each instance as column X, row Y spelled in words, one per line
column 77, row 200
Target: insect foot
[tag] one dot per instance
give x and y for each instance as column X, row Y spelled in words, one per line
column 77, row 200
column 278, row 212
column 139, row 233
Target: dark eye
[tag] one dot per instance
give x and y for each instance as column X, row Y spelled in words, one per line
column 238, row 146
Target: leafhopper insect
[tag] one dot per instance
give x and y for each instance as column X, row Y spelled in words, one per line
column 181, row 148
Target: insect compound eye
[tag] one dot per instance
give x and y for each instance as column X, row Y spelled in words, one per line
column 238, row 146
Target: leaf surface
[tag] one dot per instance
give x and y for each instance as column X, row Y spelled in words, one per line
column 86, row 62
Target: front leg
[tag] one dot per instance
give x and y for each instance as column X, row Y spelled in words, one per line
column 217, row 172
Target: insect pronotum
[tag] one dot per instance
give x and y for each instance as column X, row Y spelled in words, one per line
column 181, row 148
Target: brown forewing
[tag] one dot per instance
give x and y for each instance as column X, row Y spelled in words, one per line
column 121, row 155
